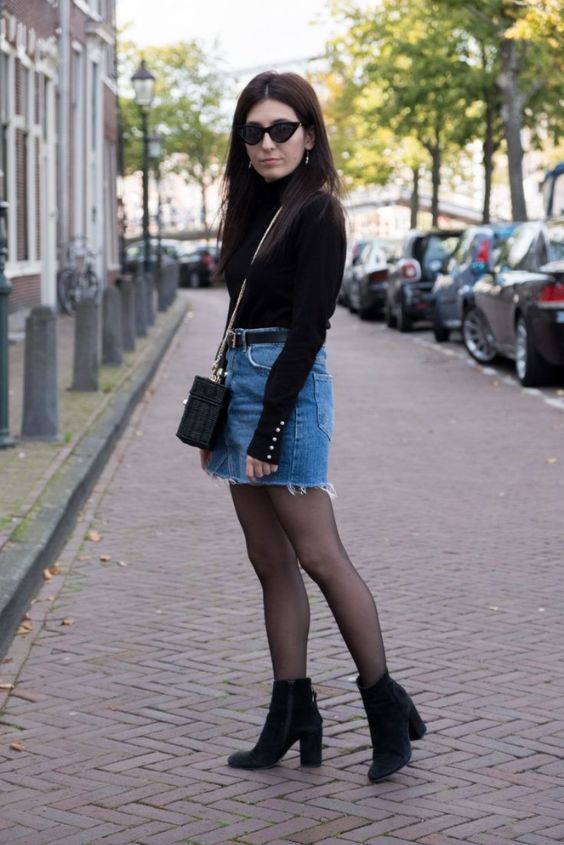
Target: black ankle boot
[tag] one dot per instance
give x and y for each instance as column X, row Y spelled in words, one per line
column 393, row 721
column 293, row 716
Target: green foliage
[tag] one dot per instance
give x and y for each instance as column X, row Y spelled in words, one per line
column 186, row 110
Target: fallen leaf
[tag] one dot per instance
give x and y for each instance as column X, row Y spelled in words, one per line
column 552, row 460
column 94, row 536
column 7, row 660
column 85, row 557
column 47, row 575
column 25, row 627
column 55, row 569
column 105, row 558
column 67, row 621
column 17, row 746
column 7, row 686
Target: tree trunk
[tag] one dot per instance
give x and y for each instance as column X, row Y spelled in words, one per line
column 204, row 209
column 512, row 115
column 436, row 182
column 488, row 148
column 414, row 201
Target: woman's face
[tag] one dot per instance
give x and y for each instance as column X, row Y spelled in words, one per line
column 273, row 160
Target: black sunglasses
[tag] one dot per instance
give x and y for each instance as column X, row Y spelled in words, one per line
column 252, row 134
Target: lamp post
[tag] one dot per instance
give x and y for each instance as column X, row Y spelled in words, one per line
column 5, row 288
column 143, row 83
column 156, row 145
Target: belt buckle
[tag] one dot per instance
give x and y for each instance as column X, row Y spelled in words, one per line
column 231, row 339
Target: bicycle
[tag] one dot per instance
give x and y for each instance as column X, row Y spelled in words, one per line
column 77, row 280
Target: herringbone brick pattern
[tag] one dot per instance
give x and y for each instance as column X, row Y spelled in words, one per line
column 452, row 512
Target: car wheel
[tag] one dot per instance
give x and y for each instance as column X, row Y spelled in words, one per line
column 194, row 279
column 389, row 318
column 477, row 337
column 365, row 312
column 530, row 367
column 441, row 333
column 404, row 322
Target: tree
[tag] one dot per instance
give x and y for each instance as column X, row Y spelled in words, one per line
column 410, row 58
column 186, row 110
column 526, row 39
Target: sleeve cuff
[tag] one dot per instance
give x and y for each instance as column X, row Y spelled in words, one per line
column 265, row 445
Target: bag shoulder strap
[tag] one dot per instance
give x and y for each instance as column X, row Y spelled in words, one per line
column 217, row 370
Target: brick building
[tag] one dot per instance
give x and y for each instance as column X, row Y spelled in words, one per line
column 58, row 139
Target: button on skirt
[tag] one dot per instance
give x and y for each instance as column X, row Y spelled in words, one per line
column 306, row 436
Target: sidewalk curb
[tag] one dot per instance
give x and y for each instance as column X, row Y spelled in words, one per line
column 49, row 526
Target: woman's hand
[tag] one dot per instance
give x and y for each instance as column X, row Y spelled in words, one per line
column 256, row 469
column 205, row 455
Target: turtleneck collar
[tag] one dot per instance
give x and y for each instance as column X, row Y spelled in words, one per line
column 271, row 192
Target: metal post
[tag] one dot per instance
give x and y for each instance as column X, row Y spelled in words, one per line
column 146, row 247
column 5, row 288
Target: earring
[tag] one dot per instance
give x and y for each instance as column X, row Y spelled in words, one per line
column 250, row 165
column 307, row 157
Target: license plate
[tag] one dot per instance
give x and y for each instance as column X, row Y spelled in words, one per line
column 560, row 316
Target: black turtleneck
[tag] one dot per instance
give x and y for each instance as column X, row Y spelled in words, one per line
column 296, row 289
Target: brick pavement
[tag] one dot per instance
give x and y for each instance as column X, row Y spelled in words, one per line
column 450, row 503
column 27, row 469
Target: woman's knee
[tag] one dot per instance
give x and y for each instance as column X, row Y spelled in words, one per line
column 322, row 565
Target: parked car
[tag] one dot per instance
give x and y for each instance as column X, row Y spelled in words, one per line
column 197, row 265
column 519, row 306
column 409, row 295
column 365, row 283
column 354, row 250
column 134, row 252
column 453, row 291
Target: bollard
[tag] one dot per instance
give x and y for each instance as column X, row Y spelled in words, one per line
column 174, row 276
column 40, row 420
column 140, row 305
column 86, row 357
column 160, row 281
column 112, row 329
column 150, row 298
column 127, row 312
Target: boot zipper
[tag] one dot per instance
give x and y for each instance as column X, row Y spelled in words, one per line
column 288, row 719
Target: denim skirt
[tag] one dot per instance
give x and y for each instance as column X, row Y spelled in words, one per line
column 304, row 453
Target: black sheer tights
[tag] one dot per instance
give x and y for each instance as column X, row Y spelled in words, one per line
column 280, row 530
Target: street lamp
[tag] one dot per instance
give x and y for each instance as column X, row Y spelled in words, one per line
column 143, row 83
column 5, row 288
column 156, row 146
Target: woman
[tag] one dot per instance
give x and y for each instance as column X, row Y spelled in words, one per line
column 275, row 444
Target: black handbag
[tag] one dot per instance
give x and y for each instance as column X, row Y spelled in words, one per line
column 206, row 407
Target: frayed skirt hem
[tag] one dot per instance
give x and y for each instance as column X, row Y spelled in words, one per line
column 294, row 489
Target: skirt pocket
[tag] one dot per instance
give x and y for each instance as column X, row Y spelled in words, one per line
column 261, row 356
column 323, row 390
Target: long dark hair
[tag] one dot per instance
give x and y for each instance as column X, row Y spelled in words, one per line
column 242, row 185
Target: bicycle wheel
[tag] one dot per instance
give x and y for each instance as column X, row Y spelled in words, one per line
column 66, row 289
column 90, row 284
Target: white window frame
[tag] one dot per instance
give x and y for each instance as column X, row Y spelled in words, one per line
column 78, row 120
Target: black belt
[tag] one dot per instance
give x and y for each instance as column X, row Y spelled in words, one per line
column 246, row 337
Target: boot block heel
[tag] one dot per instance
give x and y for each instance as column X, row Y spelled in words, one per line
column 310, row 749
column 417, row 727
